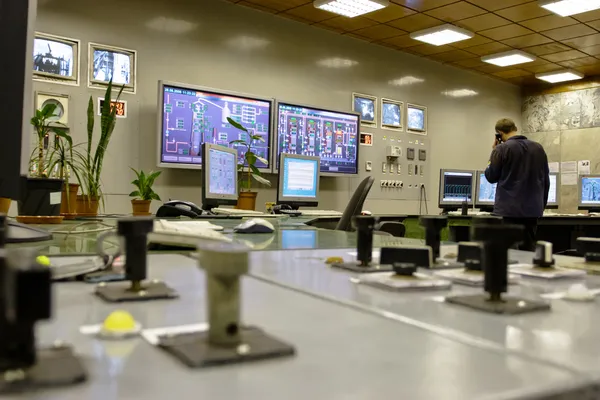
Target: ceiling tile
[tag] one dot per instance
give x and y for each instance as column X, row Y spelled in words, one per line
column 548, row 22
column 505, row 32
column 330, row 28
column 489, row 68
column 428, row 49
column 523, row 12
column 294, row 18
column 527, row 41
column 588, row 16
column 474, row 41
column 456, row 11
column 589, row 69
column 564, row 55
column 483, row 21
column 546, row 49
column 470, row 63
column 309, row 12
column 257, row 6
column 583, row 41
column 594, row 24
column 379, row 32
column 493, row 5
column 276, row 4
column 488, row 48
column 512, row 73
column 348, row 24
column 592, row 50
column 415, row 22
column 580, row 62
column 569, row 32
column 538, row 69
column 453, row 55
column 423, row 5
column 390, row 13
column 402, row 41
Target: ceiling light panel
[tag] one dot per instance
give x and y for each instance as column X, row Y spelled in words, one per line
column 441, row 35
column 507, row 58
column 565, row 8
column 560, row 76
column 351, row 8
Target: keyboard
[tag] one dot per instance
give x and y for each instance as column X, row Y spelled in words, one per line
column 185, row 233
column 321, row 213
column 235, row 211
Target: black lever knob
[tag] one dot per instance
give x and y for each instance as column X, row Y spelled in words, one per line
column 364, row 225
column 135, row 232
column 404, row 269
column 433, row 225
column 589, row 248
column 496, row 240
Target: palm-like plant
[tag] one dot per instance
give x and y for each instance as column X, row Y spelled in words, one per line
column 144, row 183
column 63, row 163
column 248, row 168
column 41, row 122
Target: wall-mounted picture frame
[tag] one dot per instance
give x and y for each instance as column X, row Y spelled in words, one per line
column 62, row 106
column 416, row 119
column 120, row 104
column 56, row 59
column 392, row 114
column 106, row 62
column 366, row 106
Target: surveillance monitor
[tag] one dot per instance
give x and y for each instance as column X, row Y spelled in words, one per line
column 298, row 181
column 456, row 187
column 485, row 192
column 416, row 119
column 219, row 176
column 55, row 58
column 589, row 193
column 553, row 192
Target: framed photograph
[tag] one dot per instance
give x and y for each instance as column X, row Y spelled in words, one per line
column 56, row 59
column 366, row 106
column 106, row 62
column 121, row 106
column 391, row 114
column 61, row 113
column 416, row 119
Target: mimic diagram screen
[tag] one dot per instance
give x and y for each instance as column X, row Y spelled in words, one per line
column 416, row 119
column 193, row 117
column 332, row 136
column 552, row 191
column 590, row 190
column 300, row 178
column 223, row 172
column 486, row 192
column 457, row 186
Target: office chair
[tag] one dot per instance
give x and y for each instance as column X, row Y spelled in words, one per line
column 355, row 204
column 396, row 229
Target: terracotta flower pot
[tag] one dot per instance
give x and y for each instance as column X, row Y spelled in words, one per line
column 68, row 205
column 141, row 207
column 4, row 205
column 247, row 201
column 86, row 206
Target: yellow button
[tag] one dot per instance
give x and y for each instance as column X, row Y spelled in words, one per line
column 43, row 260
column 119, row 322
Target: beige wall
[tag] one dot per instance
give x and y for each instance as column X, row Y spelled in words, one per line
column 286, row 67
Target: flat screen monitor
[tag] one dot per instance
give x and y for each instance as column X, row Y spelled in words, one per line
column 298, row 180
column 485, row 192
column 456, row 186
column 553, row 191
column 589, row 192
column 190, row 116
column 330, row 135
column 55, row 58
column 416, row 119
column 219, row 176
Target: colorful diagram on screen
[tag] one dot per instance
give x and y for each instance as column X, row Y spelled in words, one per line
column 192, row 117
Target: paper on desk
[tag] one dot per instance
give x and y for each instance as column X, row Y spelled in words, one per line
column 152, row 335
column 568, row 167
column 583, row 167
column 568, row 179
column 554, row 167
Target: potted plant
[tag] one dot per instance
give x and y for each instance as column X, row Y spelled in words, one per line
column 41, row 195
column 144, row 193
column 247, row 168
column 91, row 163
column 4, row 205
column 63, row 164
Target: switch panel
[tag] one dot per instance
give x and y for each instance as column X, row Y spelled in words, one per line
column 410, row 169
column 391, row 168
column 384, row 167
column 422, row 155
column 410, row 153
column 393, row 151
column 368, row 166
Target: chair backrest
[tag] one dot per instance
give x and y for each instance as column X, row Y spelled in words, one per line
column 355, row 204
column 396, row 229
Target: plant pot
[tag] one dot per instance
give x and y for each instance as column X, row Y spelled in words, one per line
column 87, row 206
column 40, row 197
column 4, row 205
column 247, row 201
column 68, row 206
column 141, row 207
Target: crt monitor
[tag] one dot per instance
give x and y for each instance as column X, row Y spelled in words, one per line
column 589, row 192
column 456, row 187
column 330, row 135
column 553, row 192
column 190, row 116
column 219, row 176
column 298, row 180
column 485, row 192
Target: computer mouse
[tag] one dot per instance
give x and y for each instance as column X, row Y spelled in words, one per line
column 255, row 225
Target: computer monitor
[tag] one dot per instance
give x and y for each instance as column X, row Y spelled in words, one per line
column 553, row 201
column 55, row 58
column 219, row 176
column 191, row 115
column 589, row 192
column 416, row 119
column 298, row 180
column 456, row 187
column 485, row 192
column 332, row 136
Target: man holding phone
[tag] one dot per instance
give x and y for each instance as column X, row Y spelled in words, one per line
column 520, row 168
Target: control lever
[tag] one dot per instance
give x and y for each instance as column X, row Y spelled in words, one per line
column 589, row 248
column 544, row 266
column 433, row 225
column 135, row 232
column 543, row 255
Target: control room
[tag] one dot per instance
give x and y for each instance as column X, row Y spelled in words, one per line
column 187, row 186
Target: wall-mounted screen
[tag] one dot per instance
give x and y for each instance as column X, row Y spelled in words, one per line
column 330, row 135
column 366, row 106
column 190, row 116
column 55, row 58
column 553, row 201
column 391, row 114
column 107, row 62
column 589, row 192
column 416, row 119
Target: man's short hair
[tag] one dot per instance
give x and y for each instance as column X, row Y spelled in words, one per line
column 506, row 125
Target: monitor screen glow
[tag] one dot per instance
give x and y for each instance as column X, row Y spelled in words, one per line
column 457, row 187
column 590, row 190
column 112, row 64
column 298, row 239
column 300, row 178
column 53, row 57
column 415, row 119
column 552, row 192
column 222, row 173
column 332, row 136
column 486, row 192
column 391, row 114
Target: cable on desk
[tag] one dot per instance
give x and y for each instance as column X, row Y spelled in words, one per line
column 70, row 231
column 423, row 196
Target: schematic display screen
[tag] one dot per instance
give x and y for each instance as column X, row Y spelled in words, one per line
column 457, row 186
column 332, row 136
column 191, row 117
column 590, row 190
column 486, row 193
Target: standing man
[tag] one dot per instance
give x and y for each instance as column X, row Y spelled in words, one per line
column 520, row 168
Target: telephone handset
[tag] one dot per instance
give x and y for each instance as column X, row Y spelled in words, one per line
column 178, row 208
column 498, row 138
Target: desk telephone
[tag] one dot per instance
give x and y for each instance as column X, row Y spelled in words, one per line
column 178, row 208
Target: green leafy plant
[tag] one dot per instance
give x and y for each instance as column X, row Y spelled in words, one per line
column 41, row 122
column 247, row 168
column 144, row 183
column 62, row 161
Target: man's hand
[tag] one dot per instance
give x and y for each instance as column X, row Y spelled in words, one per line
column 495, row 142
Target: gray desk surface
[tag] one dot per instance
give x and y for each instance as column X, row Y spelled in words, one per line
column 565, row 336
column 342, row 353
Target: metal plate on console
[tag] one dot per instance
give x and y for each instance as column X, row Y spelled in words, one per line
column 470, row 278
column 392, row 281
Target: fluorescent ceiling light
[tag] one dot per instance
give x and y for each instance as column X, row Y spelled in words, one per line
column 565, row 8
column 441, row 35
column 460, row 93
column 406, row 80
column 337, row 62
column 560, row 76
column 351, row 8
column 507, row 58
